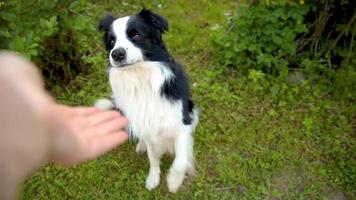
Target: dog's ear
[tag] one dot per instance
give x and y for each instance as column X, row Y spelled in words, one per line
column 156, row 20
column 105, row 22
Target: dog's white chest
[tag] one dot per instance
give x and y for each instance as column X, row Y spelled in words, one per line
column 137, row 92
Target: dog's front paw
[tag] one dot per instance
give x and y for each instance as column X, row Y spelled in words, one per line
column 141, row 147
column 104, row 104
column 152, row 181
column 175, row 180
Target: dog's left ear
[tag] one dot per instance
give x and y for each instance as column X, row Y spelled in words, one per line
column 156, row 20
column 105, row 22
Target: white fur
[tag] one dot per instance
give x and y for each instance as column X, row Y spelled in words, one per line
column 154, row 120
column 133, row 54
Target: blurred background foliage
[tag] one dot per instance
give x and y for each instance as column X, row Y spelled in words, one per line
column 308, row 40
column 57, row 35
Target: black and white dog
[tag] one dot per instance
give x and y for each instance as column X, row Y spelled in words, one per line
column 151, row 89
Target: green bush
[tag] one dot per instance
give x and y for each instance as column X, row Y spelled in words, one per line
column 262, row 37
column 56, row 35
column 282, row 38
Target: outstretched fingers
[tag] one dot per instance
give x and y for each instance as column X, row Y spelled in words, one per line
column 103, row 143
column 103, row 117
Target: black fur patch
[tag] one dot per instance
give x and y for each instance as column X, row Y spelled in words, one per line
column 109, row 36
column 177, row 88
column 155, row 20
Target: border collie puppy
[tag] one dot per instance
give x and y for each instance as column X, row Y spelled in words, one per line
column 151, row 89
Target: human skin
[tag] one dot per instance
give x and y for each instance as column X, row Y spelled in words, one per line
column 35, row 129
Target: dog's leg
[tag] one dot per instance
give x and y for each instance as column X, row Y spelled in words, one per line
column 153, row 177
column 141, row 147
column 184, row 160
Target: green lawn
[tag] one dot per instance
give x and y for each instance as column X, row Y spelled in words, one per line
column 250, row 143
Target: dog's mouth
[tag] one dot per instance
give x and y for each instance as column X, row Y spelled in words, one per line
column 124, row 63
column 120, row 65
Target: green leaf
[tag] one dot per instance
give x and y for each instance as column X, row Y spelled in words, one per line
column 75, row 6
column 12, row 25
column 43, row 23
column 8, row 16
column 308, row 124
column 4, row 33
column 33, row 52
column 17, row 44
column 47, row 4
column 53, row 20
column 34, row 45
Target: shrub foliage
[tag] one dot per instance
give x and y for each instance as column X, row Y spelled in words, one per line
column 55, row 34
column 315, row 38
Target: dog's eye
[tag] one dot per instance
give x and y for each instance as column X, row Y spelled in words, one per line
column 136, row 36
column 112, row 42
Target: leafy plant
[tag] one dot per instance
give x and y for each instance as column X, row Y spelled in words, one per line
column 262, row 37
column 54, row 34
column 281, row 38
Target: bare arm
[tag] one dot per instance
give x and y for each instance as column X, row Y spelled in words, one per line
column 35, row 129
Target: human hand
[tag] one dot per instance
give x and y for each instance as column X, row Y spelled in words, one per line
column 82, row 133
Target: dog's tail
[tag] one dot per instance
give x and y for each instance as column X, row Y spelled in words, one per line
column 191, row 161
column 194, row 115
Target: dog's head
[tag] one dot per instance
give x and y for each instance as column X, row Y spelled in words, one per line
column 133, row 38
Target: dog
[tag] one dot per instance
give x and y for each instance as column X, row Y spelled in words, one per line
column 151, row 89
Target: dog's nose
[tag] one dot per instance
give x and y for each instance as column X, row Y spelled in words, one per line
column 118, row 54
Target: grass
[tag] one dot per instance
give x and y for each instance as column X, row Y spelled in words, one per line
column 250, row 144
